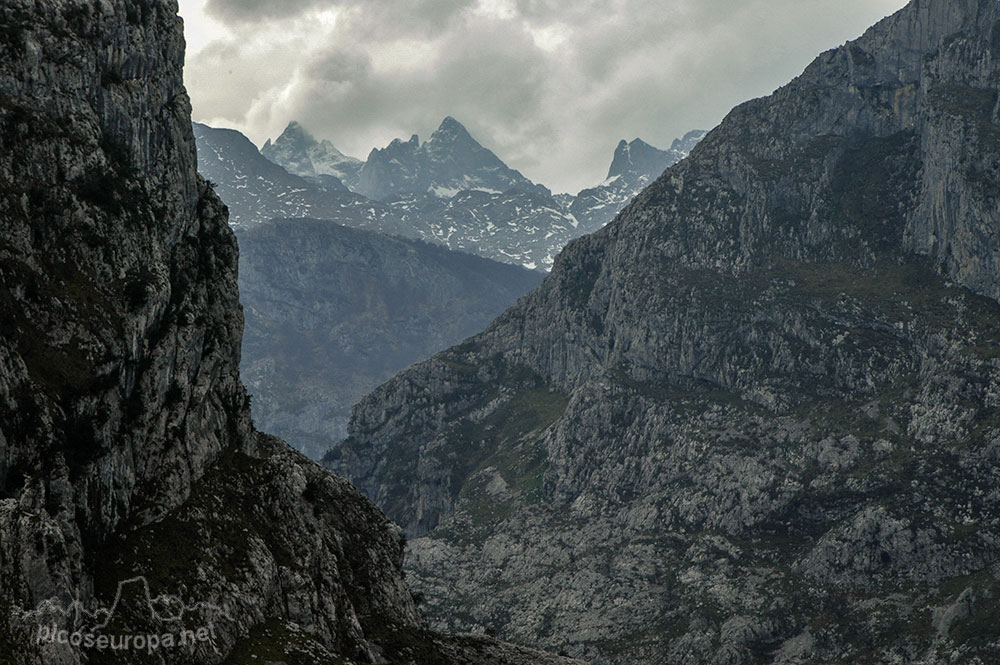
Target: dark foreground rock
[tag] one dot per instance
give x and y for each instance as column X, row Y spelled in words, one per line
column 135, row 497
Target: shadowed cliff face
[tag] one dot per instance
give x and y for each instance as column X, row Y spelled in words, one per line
column 116, row 399
column 757, row 412
column 131, row 480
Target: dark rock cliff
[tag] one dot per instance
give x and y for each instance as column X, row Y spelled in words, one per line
column 757, row 414
column 127, row 457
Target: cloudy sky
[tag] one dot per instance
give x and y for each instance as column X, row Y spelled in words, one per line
column 549, row 85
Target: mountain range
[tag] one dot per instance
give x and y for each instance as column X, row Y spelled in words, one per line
column 753, row 420
column 449, row 189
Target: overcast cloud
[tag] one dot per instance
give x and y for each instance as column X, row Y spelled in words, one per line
column 549, row 85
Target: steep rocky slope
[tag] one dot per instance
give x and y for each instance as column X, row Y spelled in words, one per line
column 332, row 312
column 755, row 419
column 132, row 485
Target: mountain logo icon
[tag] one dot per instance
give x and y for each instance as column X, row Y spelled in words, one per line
column 134, row 621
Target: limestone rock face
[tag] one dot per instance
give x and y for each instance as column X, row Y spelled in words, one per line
column 115, row 399
column 754, row 419
column 135, row 497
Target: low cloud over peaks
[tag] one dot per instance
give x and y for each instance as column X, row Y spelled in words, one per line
column 549, row 85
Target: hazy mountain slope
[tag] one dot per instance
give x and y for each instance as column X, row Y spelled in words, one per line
column 298, row 152
column 753, row 420
column 332, row 312
column 633, row 167
column 131, row 480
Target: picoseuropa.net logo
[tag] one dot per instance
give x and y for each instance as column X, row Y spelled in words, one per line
column 171, row 624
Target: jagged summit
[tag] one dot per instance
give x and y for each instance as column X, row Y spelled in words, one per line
column 295, row 133
column 639, row 158
column 686, row 143
column 635, row 164
column 450, row 162
column 453, row 131
column 300, row 153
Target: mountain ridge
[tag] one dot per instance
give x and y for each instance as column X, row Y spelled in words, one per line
column 525, row 226
column 757, row 410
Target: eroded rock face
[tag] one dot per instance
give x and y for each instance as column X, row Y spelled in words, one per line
column 753, row 419
column 131, row 480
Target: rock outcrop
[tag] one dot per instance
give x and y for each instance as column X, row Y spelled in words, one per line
column 754, row 419
column 136, row 499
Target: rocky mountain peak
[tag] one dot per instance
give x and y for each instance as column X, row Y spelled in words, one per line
column 633, row 167
column 452, row 132
column 296, row 133
column 637, row 157
column 450, row 162
column 685, row 144
column 301, row 154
